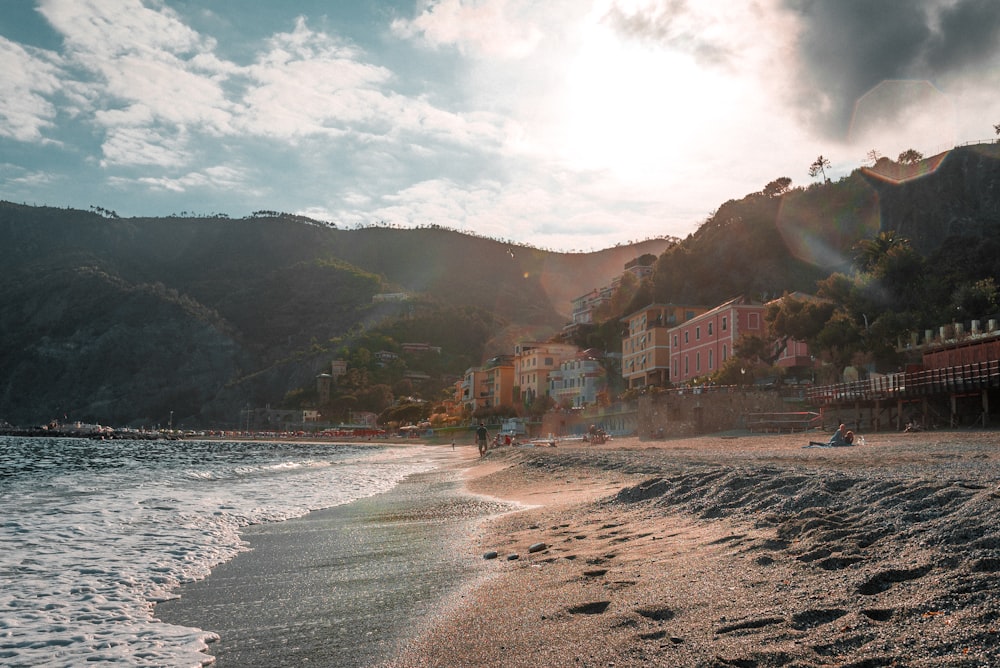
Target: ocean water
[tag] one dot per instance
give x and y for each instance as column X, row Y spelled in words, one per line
column 93, row 533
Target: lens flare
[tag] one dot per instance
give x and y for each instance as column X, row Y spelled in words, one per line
column 820, row 226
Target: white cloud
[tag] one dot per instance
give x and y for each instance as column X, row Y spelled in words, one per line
column 209, row 178
column 99, row 31
column 29, row 77
column 125, row 145
column 477, row 28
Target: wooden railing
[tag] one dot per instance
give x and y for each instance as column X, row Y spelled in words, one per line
column 950, row 380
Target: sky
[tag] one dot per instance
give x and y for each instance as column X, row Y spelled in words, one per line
column 570, row 125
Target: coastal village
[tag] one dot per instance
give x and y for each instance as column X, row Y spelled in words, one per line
column 658, row 385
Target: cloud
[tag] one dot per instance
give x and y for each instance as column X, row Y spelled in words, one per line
column 31, row 77
column 849, row 47
column 676, row 24
column 130, row 146
column 209, row 178
column 481, row 29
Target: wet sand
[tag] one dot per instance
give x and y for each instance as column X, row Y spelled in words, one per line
column 342, row 586
column 739, row 550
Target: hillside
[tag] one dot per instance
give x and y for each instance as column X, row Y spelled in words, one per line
column 125, row 320
column 134, row 320
column 762, row 245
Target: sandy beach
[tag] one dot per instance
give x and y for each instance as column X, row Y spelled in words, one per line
column 745, row 550
column 740, row 550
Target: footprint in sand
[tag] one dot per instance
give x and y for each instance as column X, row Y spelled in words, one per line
column 886, row 579
column 593, row 608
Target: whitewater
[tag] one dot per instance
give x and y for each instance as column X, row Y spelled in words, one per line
column 94, row 533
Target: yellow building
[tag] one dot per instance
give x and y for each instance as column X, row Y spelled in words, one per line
column 646, row 348
column 534, row 361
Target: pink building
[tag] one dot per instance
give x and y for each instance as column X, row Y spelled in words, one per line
column 701, row 345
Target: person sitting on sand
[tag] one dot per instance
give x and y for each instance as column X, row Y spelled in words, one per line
column 840, row 438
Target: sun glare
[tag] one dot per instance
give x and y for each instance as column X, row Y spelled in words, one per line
column 631, row 106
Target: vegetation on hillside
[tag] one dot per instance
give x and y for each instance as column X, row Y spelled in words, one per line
column 118, row 320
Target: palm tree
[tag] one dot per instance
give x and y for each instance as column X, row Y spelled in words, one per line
column 819, row 166
column 869, row 252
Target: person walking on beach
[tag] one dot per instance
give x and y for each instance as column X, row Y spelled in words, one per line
column 481, row 436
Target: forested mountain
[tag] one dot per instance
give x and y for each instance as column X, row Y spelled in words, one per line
column 127, row 321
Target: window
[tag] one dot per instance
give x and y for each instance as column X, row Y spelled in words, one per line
column 710, row 360
column 675, row 340
column 724, row 358
column 753, row 322
column 687, row 365
column 686, row 337
column 724, row 322
column 710, row 329
column 697, row 362
column 697, row 333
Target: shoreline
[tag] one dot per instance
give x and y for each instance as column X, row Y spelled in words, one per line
column 721, row 550
column 338, row 586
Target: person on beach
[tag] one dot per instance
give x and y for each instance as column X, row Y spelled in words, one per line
column 482, row 435
column 840, row 438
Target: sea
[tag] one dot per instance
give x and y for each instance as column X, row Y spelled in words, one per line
column 94, row 533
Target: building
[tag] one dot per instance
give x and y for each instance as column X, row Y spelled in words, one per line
column 584, row 306
column 646, row 348
column 642, row 266
column 499, row 382
column 577, row 382
column 533, row 362
column 701, row 345
column 474, row 390
column 323, row 382
column 414, row 348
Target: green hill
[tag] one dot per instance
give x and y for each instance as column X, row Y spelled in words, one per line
column 131, row 320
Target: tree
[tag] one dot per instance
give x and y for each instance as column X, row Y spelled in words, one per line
column 869, row 252
column 971, row 301
column 910, row 157
column 819, row 166
column 777, row 187
column 996, row 128
column 873, row 156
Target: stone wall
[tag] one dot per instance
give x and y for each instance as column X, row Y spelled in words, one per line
column 671, row 415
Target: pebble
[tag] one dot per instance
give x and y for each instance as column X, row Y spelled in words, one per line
column 537, row 547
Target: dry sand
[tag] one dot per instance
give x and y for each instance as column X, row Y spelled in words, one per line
column 747, row 551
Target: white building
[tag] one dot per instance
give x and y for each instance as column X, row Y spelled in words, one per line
column 577, row 382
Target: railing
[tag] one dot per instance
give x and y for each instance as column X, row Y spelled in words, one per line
column 782, row 422
column 949, row 380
